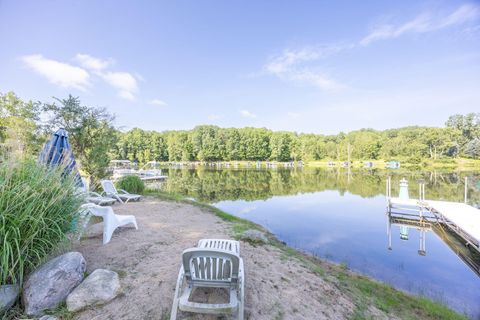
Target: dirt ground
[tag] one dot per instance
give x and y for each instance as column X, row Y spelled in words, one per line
column 148, row 260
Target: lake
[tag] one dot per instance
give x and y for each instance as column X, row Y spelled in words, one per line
column 340, row 215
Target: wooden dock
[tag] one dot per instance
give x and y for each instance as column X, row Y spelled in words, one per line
column 461, row 218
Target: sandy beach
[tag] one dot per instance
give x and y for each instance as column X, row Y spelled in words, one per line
column 148, row 260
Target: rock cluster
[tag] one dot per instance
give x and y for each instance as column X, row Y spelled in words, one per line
column 50, row 284
column 100, row 287
column 62, row 279
column 8, row 295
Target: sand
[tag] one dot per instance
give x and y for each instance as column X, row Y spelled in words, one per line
column 148, row 260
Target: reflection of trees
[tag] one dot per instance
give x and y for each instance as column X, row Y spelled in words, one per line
column 217, row 185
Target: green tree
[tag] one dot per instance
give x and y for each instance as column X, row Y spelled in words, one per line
column 19, row 127
column 90, row 130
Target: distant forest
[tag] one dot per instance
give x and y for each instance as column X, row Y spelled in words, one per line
column 96, row 140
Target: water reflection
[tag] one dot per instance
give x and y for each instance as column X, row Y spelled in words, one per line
column 339, row 215
column 424, row 224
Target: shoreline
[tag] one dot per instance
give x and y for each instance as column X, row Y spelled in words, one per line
column 282, row 282
column 316, row 264
column 459, row 164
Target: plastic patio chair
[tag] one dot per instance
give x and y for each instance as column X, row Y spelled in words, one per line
column 209, row 267
column 94, row 197
column 121, row 195
column 111, row 221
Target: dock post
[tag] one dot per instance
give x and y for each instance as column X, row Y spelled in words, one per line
column 389, row 232
column 466, row 190
column 403, row 194
column 422, row 250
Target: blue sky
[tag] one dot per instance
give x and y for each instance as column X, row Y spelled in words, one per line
column 307, row 66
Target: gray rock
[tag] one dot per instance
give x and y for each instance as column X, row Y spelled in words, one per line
column 100, row 287
column 8, row 295
column 50, row 284
column 254, row 236
column 48, row 317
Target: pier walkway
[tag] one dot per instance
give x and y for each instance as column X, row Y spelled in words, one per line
column 461, row 218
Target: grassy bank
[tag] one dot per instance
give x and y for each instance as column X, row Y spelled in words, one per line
column 364, row 291
column 425, row 164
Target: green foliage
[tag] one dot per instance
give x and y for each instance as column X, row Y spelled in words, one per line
column 132, row 184
column 211, row 143
column 37, row 207
column 19, row 129
column 95, row 141
column 472, row 148
column 220, row 185
column 90, row 130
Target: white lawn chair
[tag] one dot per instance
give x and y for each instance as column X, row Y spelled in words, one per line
column 210, row 267
column 111, row 221
column 120, row 195
column 94, row 197
column 232, row 246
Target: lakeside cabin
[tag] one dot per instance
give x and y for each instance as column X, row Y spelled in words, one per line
column 393, row 164
column 368, row 164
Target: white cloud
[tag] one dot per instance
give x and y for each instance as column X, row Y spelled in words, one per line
column 58, row 73
column 92, row 63
column 302, row 65
column 124, row 82
column 426, row 22
column 295, row 65
column 213, row 117
column 158, row 102
column 247, row 114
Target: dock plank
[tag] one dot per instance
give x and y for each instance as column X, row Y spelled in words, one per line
column 464, row 216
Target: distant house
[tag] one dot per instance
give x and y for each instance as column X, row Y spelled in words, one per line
column 368, row 164
column 331, row 164
column 393, row 164
column 346, row 164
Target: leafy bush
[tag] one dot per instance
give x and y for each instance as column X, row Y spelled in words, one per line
column 132, row 184
column 37, row 207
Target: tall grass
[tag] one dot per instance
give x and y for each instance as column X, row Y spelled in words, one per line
column 132, row 184
column 37, row 208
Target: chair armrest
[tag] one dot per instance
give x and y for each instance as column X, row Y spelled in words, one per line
column 123, row 191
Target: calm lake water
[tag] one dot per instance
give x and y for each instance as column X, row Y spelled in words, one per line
column 340, row 215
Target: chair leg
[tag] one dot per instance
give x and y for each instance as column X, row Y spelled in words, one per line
column 107, row 232
column 173, row 314
column 241, row 292
column 118, row 198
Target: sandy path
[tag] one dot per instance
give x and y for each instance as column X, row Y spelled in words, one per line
column 148, row 260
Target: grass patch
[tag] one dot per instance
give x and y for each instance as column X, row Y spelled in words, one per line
column 38, row 207
column 132, row 184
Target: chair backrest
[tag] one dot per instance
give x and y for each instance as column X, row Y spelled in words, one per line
column 210, row 268
column 108, row 187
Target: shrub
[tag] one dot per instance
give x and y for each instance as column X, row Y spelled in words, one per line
column 37, row 207
column 132, row 184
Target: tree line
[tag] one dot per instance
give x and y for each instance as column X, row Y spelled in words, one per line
column 25, row 126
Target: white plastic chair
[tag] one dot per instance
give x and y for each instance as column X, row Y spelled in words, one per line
column 94, row 197
column 211, row 268
column 121, row 195
column 111, row 221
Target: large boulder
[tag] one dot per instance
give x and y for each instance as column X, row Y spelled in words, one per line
column 8, row 295
column 100, row 287
column 50, row 284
